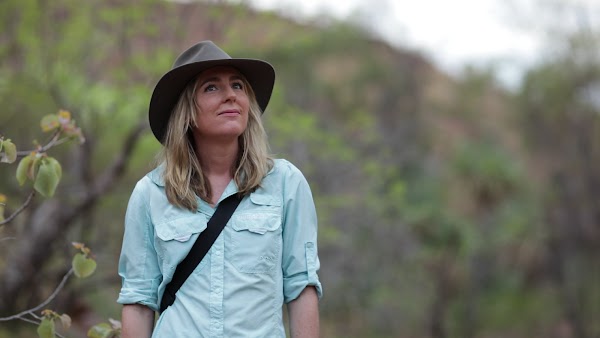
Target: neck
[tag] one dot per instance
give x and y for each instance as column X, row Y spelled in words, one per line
column 217, row 158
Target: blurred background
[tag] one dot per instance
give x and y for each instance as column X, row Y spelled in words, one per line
column 453, row 149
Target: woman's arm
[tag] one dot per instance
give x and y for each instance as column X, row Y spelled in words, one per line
column 304, row 314
column 137, row 321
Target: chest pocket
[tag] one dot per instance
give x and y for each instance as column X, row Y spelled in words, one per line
column 175, row 238
column 255, row 237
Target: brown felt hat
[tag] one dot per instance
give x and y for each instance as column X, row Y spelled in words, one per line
column 188, row 65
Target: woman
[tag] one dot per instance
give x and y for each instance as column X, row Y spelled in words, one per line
column 206, row 111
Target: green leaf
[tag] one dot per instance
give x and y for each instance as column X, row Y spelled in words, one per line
column 49, row 123
column 56, row 165
column 10, row 152
column 46, row 329
column 35, row 165
column 83, row 266
column 23, row 168
column 2, row 202
column 102, row 330
column 47, row 177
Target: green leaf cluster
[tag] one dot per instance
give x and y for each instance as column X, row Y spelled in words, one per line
column 44, row 171
column 83, row 263
column 112, row 329
column 47, row 326
column 8, row 151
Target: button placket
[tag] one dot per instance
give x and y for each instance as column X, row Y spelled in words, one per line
column 216, row 287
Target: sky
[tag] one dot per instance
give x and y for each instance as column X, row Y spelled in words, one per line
column 450, row 33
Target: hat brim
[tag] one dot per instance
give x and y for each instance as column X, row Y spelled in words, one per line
column 260, row 75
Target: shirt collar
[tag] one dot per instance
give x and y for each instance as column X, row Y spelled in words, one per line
column 156, row 176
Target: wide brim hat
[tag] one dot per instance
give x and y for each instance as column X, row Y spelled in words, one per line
column 199, row 57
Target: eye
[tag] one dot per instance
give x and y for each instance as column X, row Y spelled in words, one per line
column 237, row 85
column 210, row 88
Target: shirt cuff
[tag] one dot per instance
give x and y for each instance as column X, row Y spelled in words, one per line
column 294, row 285
column 140, row 291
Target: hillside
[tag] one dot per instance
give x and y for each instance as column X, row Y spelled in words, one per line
column 437, row 210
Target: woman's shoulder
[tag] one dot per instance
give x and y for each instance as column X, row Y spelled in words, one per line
column 153, row 177
column 284, row 167
column 152, row 181
column 287, row 173
column 288, row 179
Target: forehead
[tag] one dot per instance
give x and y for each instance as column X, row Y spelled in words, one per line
column 220, row 71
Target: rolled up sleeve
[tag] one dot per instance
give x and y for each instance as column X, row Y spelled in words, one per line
column 300, row 262
column 138, row 264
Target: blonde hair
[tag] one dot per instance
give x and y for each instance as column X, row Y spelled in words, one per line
column 183, row 175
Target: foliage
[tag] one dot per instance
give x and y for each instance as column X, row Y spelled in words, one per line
column 560, row 120
column 60, row 55
column 447, row 206
column 105, row 330
column 46, row 323
column 8, row 151
column 46, row 172
column 83, row 264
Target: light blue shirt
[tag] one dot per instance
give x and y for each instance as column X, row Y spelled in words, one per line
column 265, row 256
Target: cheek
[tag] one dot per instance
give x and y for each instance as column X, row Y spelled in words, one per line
column 203, row 114
column 244, row 98
column 246, row 105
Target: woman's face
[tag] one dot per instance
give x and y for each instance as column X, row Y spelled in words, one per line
column 222, row 104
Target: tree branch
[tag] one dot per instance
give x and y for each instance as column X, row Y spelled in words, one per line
column 106, row 180
column 52, row 219
column 20, row 209
column 54, row 141
column 29, row 320
column 38, row 323
column 44, row 303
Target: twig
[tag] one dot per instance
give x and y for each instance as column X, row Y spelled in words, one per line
column 35, row 316
column 7, row 239
column 20, row 209
column 37, row 323
column 46, row 302
column 29, row 320
column 53, row 141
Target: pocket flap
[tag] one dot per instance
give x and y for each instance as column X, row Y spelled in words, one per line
column 181, row 229
column 261, row 198
column 256, row 222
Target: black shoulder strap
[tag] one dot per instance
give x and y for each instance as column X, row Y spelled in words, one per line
column 203, row 243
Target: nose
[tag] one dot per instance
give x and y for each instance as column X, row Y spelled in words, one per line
column 230, row 94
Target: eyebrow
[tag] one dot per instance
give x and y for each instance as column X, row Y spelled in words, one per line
column 216, row 79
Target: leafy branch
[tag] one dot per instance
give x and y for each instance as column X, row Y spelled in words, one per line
column 82, row 266
column 31, row 312
column 36, row 166
column 45, row 173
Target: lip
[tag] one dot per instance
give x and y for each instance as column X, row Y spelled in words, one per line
column 230, row 112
